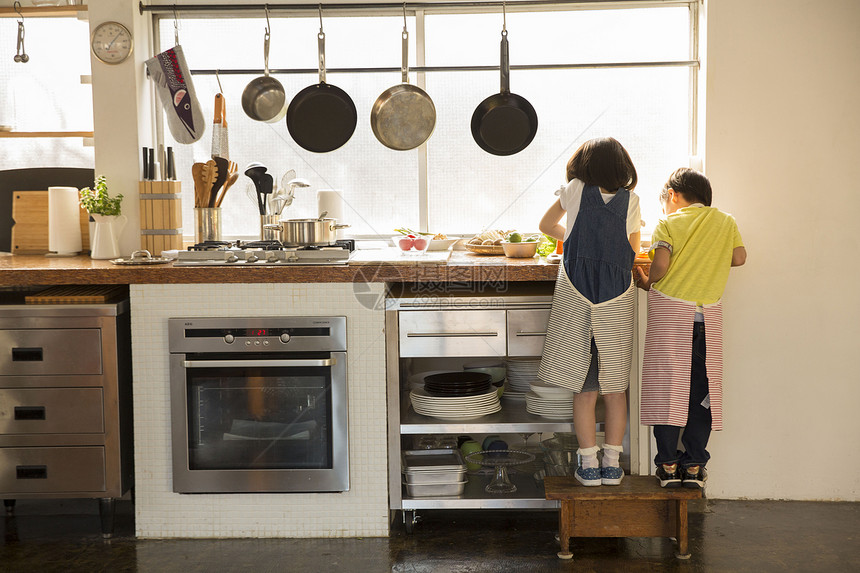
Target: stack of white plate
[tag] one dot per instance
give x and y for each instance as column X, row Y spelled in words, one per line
column 455, row 407
column 549, row 401
column 521, row 372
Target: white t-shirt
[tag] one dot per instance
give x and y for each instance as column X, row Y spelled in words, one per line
column 571, row 195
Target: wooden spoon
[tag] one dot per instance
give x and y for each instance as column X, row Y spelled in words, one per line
column 199, row 188
column 231, row 179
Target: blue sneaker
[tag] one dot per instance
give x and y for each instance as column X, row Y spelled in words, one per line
column 611, row 475
column 588, row 476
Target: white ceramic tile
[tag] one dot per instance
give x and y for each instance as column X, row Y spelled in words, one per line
column 160, row 513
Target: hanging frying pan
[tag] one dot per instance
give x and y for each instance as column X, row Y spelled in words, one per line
column 321, row 117
column 264, row 98
column 504, row 123
column 403, row 116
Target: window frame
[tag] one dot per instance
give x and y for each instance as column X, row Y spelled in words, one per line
column 419, row 12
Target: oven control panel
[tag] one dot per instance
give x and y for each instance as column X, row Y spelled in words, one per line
column 257, row 334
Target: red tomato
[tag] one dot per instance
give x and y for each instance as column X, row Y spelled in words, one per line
column 406, row 243
column 420, row 243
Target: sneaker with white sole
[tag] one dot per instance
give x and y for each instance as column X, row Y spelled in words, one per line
column 695, row 477
column 588, row 476
column 668, row 475
column 611, row 475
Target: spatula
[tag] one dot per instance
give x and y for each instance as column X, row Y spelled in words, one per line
column 210, row 175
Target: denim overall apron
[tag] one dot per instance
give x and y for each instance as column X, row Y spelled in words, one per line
column 594, row 298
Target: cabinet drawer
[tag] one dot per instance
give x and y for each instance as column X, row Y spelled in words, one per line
column 51, row 411
column 452, row 333
column 52, row 470
column 527, row 331
column 56, row 351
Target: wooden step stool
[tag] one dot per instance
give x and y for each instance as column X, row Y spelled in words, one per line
column 638, row 507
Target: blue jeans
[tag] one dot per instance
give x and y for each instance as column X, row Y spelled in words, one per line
column 698, row 428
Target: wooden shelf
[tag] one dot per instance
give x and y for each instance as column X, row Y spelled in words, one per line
column 43, row 11
column 46, row 134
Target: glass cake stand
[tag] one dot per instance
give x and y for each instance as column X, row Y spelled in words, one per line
column 501, row 460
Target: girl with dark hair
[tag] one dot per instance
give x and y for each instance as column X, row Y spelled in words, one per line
column 589, row 342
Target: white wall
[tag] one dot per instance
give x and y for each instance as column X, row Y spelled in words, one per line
column 781, row 146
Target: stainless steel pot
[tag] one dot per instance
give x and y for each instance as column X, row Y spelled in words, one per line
column 307, row 232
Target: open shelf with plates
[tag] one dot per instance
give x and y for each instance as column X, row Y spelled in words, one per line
column 426, row 333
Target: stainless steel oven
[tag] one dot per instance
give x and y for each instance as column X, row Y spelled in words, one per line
column 259, row 404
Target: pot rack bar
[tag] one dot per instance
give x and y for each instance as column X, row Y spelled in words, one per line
column 175, row 8
column 490, row 68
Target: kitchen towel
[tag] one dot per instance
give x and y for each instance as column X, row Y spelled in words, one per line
column 64, row 221
column 331, row 201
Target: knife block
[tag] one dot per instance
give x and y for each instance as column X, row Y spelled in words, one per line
column 160, row 216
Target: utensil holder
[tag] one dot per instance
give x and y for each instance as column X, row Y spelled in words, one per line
column 269, row 234
column 207, row 224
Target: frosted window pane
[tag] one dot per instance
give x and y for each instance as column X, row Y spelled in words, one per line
column 46, row 94
column 645, row 109
column 379, row 185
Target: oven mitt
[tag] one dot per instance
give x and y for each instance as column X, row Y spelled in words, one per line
column 173, row 83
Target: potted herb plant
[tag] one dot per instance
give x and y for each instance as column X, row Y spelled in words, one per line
column 107, row 217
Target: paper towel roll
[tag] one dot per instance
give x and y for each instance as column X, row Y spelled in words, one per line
column 331, row 201
column 64, row 221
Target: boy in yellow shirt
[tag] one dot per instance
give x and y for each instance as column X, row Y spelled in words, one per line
column 692, row 250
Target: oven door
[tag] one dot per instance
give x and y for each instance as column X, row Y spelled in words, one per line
column 260, row 423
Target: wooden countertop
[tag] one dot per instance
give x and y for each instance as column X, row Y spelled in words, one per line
column 28, row 270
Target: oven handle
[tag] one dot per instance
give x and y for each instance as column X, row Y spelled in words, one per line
column 263, row 363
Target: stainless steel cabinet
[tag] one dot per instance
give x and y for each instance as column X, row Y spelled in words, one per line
column 509, row 320
column 65, row 403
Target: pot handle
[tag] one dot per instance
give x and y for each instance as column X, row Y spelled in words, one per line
column 404, row 66
column 505, row 66
column 333, row 227
column 272, row 227
column 321, row 45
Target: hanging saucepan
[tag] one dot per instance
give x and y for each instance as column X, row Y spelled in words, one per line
column 504, row 123
column 321, row 117
column 403, row 116
column 264, row 98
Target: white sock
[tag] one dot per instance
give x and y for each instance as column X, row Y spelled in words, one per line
column 610, row 455
column 588, row 456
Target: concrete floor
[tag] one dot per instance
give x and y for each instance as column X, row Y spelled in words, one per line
column 755, row 536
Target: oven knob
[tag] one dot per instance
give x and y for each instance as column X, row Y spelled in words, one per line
column 231, row 259
column 252, row 258
column 229, row 339
column 285, row 338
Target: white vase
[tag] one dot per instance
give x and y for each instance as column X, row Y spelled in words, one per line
column 106, row 231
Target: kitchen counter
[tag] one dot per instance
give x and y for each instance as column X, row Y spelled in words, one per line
column 28, row 270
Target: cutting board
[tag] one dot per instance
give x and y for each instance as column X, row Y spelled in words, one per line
column 76, row 294
column 30, row 230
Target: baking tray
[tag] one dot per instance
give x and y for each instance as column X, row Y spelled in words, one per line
column 436, row 489
column 434, row 477
column 432, row 460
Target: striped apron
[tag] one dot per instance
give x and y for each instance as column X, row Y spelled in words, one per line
column 594, row 298
column 573, row 321
column 668, row 358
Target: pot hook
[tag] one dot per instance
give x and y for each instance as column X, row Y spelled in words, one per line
column 21, row 56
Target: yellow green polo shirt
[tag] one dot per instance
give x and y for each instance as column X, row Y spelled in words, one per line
column 700, row 241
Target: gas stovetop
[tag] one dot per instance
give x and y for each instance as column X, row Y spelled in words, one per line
column 262, row 254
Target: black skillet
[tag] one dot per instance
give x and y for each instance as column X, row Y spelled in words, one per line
column 321, row 117
column 504, row 123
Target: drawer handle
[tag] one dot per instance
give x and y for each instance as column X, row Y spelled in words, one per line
column 29, row 412
column 448, row 334
column 525, row 333
column 31, row 472
column 26, row 355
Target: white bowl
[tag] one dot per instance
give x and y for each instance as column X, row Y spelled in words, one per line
column 441, row 244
